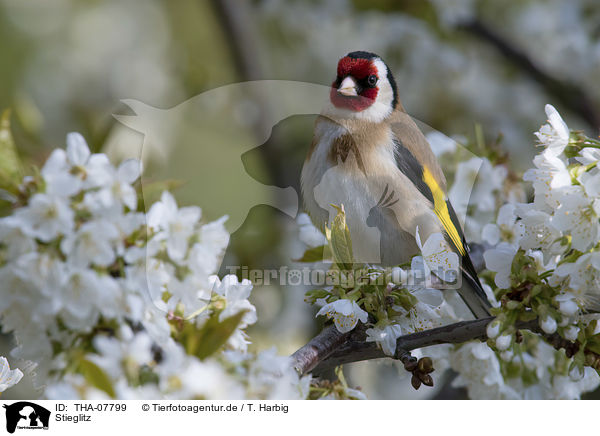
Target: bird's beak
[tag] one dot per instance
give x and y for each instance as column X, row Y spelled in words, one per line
column 347, row 87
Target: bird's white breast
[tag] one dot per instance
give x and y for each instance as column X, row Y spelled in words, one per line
column 325, row 183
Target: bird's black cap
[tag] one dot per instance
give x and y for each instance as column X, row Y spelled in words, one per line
column 369, row 55
column 362, row 55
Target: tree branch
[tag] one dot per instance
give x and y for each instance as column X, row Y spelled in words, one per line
column 331, row 348
column 318, row 349
column 566, row 92
column 244, row 42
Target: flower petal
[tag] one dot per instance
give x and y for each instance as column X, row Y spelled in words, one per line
column 78, row 151
column 129, row 170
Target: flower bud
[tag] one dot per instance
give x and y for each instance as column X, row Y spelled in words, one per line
column 571, row 333
column 548, row 325
column 513, row 305
column 415, row 382
column 426, row 379
column 507, row 355
column 568, row 307
column 425, row 365
column 503, row 342
column 493, row 329
column 590, row 359
column 537, row 289
column 576, row 373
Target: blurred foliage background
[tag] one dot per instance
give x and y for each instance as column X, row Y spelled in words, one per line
column 66, row 64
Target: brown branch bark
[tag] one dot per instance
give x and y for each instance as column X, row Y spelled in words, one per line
column 331, row 348
column 318, row 349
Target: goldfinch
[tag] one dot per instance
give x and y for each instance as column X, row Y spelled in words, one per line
column 369, row 155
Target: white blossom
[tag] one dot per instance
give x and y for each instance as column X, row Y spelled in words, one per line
column 584, row 280
column 92, row 244
column 590, row 180
column 67, row 172
column 549, row 178
column 205, row 255
column 8, row 377
column 588, row 155
column 481, row 193
column 440, row 143
column 554, row 136
column 345, row 314
column 576, row 215
column 385, row 337
column 46, row 217
column 77, row 252
column 236, row 294
column 273, row 377
column 175, row 225
column 94, row 263
column 15, row 238
column 121, row 352
column 117, row 191
column 439, row 257
column 499, row 260
column 507, row 227
column 538, row 231
column 479, row 371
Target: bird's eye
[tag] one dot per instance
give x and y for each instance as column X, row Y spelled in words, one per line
column 372, row 80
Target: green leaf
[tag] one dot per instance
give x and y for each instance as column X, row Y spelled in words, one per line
column 593, row 344
column 316, row 294
column 405, row 299
column 591, row 328
column 578, row 359
column 206, row 340
column 527, row 316
column 341, row 242
column 315, row 254
column 11, row 170
column 96, row 377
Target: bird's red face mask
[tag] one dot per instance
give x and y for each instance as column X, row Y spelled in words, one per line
column 355, row 87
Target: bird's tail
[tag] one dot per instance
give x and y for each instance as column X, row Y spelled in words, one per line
column 475, row 298
column 471, row 290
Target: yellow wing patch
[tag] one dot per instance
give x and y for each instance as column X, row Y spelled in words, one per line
column 441, row 209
